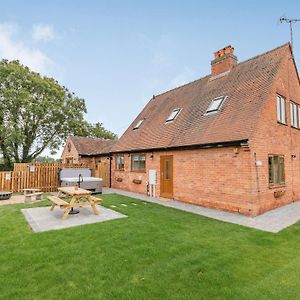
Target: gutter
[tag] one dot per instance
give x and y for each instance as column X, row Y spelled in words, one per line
column 98, row 154
column 240, row 143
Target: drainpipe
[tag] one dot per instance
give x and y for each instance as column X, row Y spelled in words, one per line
column 257, row 182
column 110, row 173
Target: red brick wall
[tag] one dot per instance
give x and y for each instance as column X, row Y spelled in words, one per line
column 216, row 177
column 72, row 154
column 271, row 137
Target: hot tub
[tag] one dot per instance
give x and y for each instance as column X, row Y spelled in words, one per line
column 70, row 177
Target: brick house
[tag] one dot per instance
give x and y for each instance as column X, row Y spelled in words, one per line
column 86, row 150
column 230, row 140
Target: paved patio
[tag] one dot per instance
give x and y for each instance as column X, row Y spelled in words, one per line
column 14, row 199
column 42, row 219
column 271, row 221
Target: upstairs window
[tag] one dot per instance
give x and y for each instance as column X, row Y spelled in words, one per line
column 120, row 162
column 276, row 170
column 295, row 109
column 173, row 115
column 138, row 124
column 216, row 104
column 138, row 162
column 281, row 111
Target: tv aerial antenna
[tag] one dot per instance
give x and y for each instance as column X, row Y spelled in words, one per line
column 291, row 22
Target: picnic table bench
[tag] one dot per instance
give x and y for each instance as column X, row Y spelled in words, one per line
column 79, row 198
column 32, row 194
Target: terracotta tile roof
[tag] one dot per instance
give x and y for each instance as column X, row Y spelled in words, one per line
column 246, row 85
column 92, row 146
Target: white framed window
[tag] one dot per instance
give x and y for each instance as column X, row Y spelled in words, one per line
column 138, row 124
column 281, row 110
column 276, row 170
column 294, row 114
column 173, row 115
column 120, row 163
column 138, row 162
column 216, row 104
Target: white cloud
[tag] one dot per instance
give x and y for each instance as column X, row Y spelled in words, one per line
column 13, row 48
column 43, row 33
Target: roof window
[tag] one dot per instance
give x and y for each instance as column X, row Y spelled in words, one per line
column 138, row 124
column 173, row 114
column 216, row 104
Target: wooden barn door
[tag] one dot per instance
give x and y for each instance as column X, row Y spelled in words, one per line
column 102, row 171
column 166, row 176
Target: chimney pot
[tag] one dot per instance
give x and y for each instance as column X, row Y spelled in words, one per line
column 224, row 61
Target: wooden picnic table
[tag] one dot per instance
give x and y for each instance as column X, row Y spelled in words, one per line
column 79, row 197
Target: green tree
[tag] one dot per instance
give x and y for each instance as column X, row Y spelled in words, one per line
column 45, row 159
column 35, row 113
column 97, row 130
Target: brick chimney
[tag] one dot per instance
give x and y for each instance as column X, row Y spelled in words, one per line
column 224, row 61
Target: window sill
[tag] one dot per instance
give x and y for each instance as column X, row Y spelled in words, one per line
column 119, row 170
column 276, row 186
column 280, row 123
column 138, row 171
column 295, row 127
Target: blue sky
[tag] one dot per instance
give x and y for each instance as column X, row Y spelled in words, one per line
column 117, row 54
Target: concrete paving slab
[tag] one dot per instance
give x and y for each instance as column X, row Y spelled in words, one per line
column 42, row 219
column 14, row 199
column 272, row 221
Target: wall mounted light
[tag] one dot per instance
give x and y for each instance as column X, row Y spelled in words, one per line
column 258, row 163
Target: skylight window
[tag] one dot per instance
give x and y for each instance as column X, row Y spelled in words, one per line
column 216, row 104
column 138, row 124
column 173, row 114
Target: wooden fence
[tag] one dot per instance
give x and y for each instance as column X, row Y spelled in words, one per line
column 27, row 166
column 35, row 175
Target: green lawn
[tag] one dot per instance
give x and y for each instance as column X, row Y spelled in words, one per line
column 155, row 253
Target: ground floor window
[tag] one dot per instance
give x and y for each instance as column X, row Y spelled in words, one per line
column 120, row 162
column 276, row 170
column 69, row 160
column 138, row 162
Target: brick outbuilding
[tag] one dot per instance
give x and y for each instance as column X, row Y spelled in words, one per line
column 86, row 150
column 229, row 140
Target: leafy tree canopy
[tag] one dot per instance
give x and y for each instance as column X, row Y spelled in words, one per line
column 45, row 159
column 37, row 113
column 98, row 130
